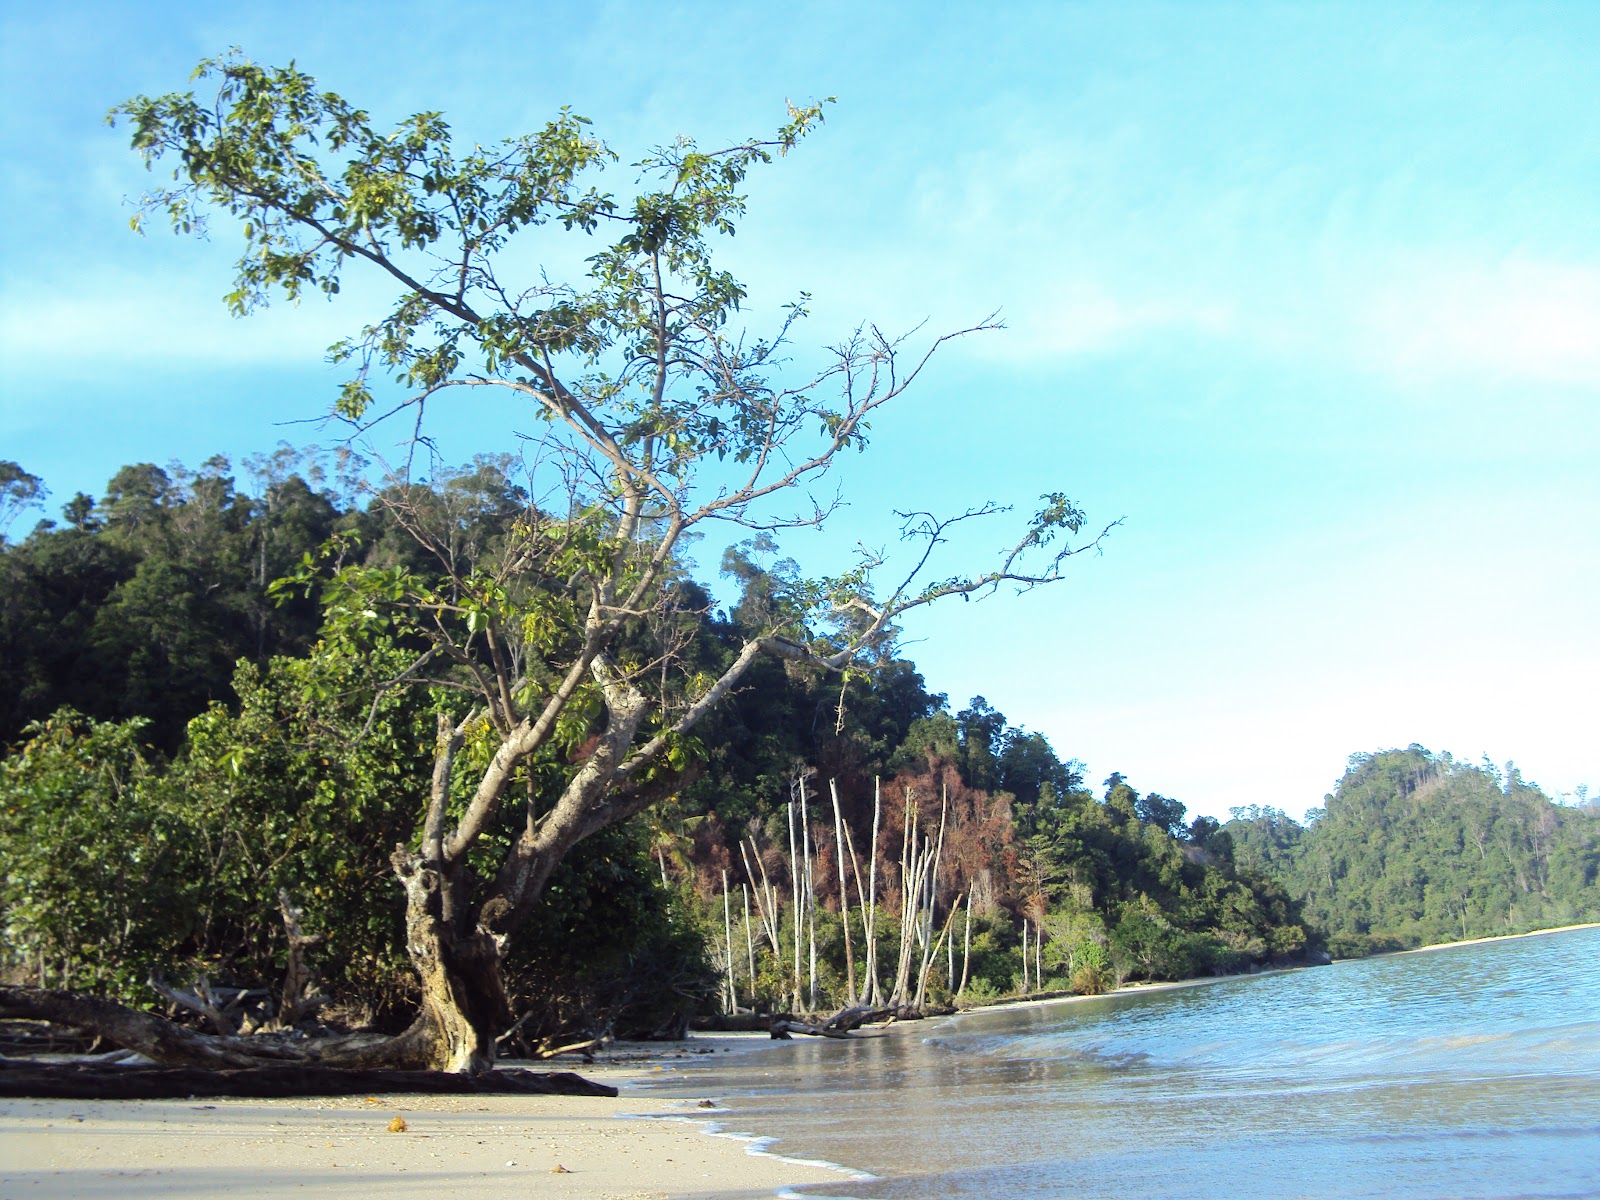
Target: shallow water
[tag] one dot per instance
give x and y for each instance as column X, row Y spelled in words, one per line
column 1467, row 1071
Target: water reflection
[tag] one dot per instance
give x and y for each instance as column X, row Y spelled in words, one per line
column 1472, row 1072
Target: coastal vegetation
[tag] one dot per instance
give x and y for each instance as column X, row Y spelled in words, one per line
column 1414, row 848
column 163, row 817
column 507, row 664
column 563, row 661
column 201, row 801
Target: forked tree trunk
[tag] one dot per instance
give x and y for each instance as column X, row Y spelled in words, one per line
column 463, row 998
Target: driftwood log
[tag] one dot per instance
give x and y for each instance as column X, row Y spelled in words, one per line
column 108, row 1081
column 842, row 1024
column 175, row 1045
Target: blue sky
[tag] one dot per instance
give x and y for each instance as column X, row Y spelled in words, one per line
column 1309, row 295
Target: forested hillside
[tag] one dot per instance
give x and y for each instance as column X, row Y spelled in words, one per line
column 140, row 602
column 1414, row 848
column 192, row 754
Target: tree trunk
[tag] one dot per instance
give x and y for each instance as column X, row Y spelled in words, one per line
column 844, row 892
column 870, row 930
column 794, row 887
column 464, row 1003
column 966, row 949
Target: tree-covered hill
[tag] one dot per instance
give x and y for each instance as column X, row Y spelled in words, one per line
column 140, row 601
column 1414, row 848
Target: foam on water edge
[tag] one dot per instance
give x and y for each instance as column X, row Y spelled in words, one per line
column 757, row 1145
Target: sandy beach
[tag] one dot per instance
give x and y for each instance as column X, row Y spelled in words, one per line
column 576, row 1148
column 1501, row 937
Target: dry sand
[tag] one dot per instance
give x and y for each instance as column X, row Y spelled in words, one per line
column 453, row 1148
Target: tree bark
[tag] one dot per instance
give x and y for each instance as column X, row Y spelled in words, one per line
column 464, row 1002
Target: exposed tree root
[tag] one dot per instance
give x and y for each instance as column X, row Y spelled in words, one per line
column 171, row 1044
column 191, row 1063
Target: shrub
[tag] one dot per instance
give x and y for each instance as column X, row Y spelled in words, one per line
column 980, row 991
column 1089, row 981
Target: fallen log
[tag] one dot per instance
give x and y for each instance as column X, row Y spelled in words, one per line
column 782, row 1031
column 847, row 1019
column 18, row 1038
column 107, row 1081
column 842, row 1025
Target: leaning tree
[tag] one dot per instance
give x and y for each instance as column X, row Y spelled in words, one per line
column 562, row 652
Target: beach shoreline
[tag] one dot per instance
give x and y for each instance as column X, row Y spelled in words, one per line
column 1499, row 937
column 639, row 1145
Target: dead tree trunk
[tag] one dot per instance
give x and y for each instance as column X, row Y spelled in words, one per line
column 299, row 999
column 749, row 940
column 104, row 1081
column 867, row 994
column 766, row 906
column 727, row 943
column 966, row 949
column 874, row 992
column 844, row 893
column 810, row 899
column 910, row 893
column 927, row 963
column 794, row 887
column 930, row 948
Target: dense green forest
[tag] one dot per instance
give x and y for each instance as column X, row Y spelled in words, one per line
column 190, row 751
column 1414, row 848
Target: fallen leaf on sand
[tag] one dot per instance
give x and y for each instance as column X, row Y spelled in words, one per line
column 398, row 1125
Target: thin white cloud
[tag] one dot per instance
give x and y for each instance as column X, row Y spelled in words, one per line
column 1083, row 318
column 112, row 323
column 1093, row 242
column 1515, row 319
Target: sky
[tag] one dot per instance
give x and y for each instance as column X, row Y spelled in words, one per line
column 1306, row 296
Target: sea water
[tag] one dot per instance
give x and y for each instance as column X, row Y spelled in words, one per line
column 1464, row 1071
